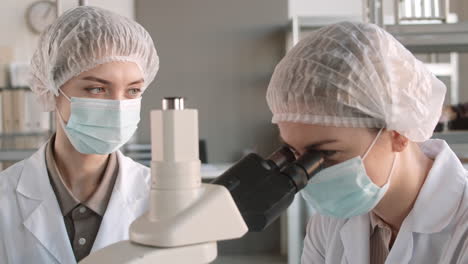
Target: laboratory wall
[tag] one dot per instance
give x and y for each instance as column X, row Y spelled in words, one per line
column 19, row 41
column 219, row 54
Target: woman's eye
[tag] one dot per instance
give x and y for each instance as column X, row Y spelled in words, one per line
column 95, row 90
column 328, row 153
column 134, row 91
column 296, row 154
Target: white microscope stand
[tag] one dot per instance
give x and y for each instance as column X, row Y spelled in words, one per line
column 185, row 218
column 131, row 253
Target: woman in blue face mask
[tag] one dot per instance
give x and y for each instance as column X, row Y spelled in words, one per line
column 387, row 193
column 78, row 193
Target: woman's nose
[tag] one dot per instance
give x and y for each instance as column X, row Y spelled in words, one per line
column 119, row 94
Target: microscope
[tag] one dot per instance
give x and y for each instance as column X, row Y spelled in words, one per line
column 186, row 217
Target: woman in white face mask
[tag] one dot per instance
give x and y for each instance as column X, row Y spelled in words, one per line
column 387, row 194
column 78, row 193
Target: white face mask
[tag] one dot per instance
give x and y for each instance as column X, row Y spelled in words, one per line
column 99, row 126
column 345, row 190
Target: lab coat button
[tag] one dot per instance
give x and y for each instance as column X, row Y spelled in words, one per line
column 82, row 241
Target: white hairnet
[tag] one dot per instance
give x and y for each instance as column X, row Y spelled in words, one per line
column 356, row 75
column 83, row 38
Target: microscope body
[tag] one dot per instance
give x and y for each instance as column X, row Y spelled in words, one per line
column 185, row 217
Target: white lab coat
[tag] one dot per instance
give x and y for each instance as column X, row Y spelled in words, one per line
column 32, row 229
column 435, row 231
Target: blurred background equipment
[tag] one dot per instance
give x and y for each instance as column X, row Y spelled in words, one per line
column 24, row 127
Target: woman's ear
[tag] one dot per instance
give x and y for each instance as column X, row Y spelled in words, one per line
column 399, row 142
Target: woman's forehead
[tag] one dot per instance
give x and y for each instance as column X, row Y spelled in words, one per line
column 120, row 72
column 118, row 67
column 300, row 134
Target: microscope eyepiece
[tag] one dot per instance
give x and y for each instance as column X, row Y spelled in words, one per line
column 282, row 156
column 173, row 103
column 264, row 188
column 311, row 162
column 301, row 170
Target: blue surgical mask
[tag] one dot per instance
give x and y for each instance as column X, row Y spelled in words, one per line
column 100, row 126
column 345, row 190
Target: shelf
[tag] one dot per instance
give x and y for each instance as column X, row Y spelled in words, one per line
column 440, row 69
column 315, row 22
column 16, row 155
column 137, row 147
column 453, row 137
column 432, row 37
column 26, row 134
column 419, row 38
column 457, row 140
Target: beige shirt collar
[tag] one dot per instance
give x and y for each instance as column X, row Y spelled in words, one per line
column 376, row 221
column 99, row 199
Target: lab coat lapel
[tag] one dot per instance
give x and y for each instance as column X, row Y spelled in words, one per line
column 355, row 238
column 40, row 209
column 114, row 225
column 443, row 189
column 124, row 206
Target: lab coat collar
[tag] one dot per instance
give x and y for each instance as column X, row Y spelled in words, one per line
column 43, row 218
column 34, row 182
column 354, row 235
column 442, row 191
column 40, row 209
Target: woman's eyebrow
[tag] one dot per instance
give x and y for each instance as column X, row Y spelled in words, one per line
column 137, row 82
column 284, row 143
column 320, row 143
column 310, row 146
column 95, row 79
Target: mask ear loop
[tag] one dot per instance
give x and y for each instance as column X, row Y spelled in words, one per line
column 372, row 144
column 392, row 169
column 66, row 96
column 394, row 158
column 62, row 121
